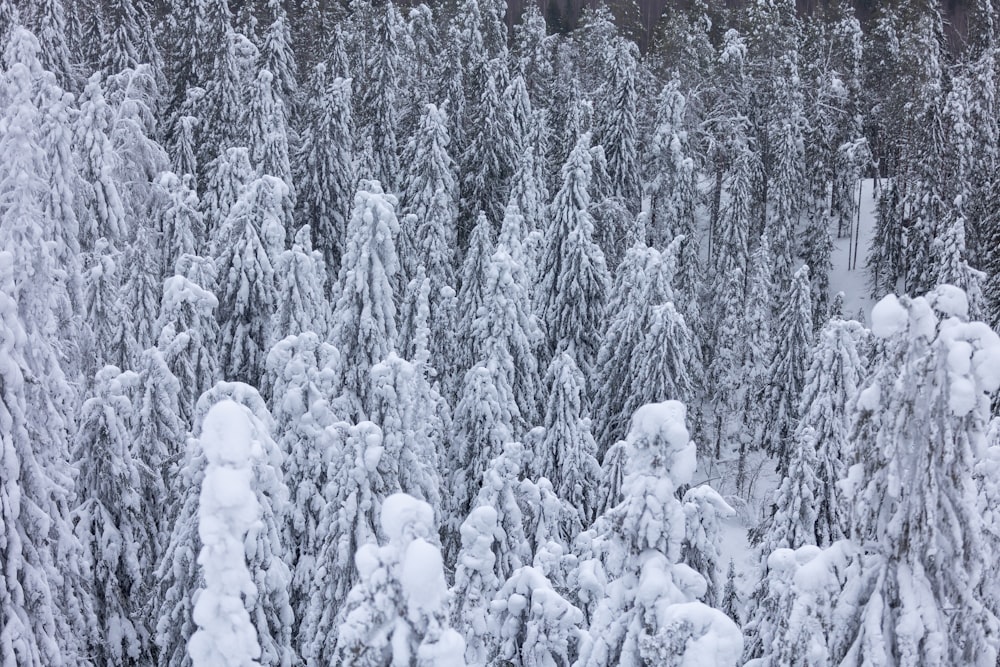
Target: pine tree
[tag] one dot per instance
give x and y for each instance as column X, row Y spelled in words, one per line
column 348, row 522
column 575, row 276
column 301, row 301
column 377, row 112
column 704, row 509
column 111, row 521
column 267, row 134
column 177, row 575
column 180, row 221
column 758, row 352
column 730, row 595
column 230, row 173
column 431, row 195
column 47, row 21
column 187, row 333
column 787, row 374
column 501, row 489
column 246, row 279
column 277, row 55
column 324, row 172
column 363, row 327
column 532, row 622
column 471, row 295
column 107, row 214
column 484, row 421
column 158, row 436
column 490, row 157
column 36, row 625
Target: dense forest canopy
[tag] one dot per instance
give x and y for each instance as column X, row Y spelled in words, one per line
column 378, row 335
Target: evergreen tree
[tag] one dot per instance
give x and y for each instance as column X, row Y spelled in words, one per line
column 363, row 327
column 471, row 295
column 636, row 550
column 37, row 630
column 921, row 416
column 246, row 279
column 301, row 301
column 758, row 352
column 324, row 172
column 532, row 622
column 704, row 509
column 505, row 330
column 476, row 584
column 111, row 521
column 484, row 421
column 490, row 157
column 347, row 523
column 619, row 130
column 431, row 195
column 377, row 112
column 187, row 331
column 788, row 371
column 267, row 134
column 230, row 173
column 566, row 457
column 180, row 221
column 575, row 276
column 276, row 52
column 831, row 383
column 402, row 587
column 158, row 436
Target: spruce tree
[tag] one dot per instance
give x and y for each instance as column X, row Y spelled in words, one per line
column 567, row 454
column 363, row 327
column 378, row 115
column 301, row 300
column 787, row 374
column 476, row 584
column 619, row 128
column 324, row 172
column 111, row 521
column 575, row 275
column 246, row 279
column 921, row 415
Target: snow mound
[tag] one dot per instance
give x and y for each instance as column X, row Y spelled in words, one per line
column 227, row 435
column 663, row 424
column 889, row 317
column 422, row 576
column 405, row 518
column 951, row 301
column 716, row 641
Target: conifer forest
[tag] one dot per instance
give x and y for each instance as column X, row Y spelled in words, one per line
column 361, row 334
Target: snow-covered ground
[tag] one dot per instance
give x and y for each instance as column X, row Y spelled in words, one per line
column 854, row 282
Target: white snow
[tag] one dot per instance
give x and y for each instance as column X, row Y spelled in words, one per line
column 716, row 640
column 228, row 510
column 405, row 518
column 889, row 317
column 422, row 575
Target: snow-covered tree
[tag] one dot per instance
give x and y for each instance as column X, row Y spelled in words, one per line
column 301, row 300
column 532, row 623
column 921, row 417
column 619, row 132
column 575, row 278
column 484, row 421
column 377, row 112
column 324, row 173
column 403, row 590
column 354, row 495
column 471, row 295
column 247, row 294
column 111, row 521
column 277, row 56
column 158, row 435
column 267, row 134
column 649, row 602
column 831, row 383
column 490, row 157
column 506, row 333
column 363, row 325
column 704, row 509
column 180, row 221
column 475, row 584
column 37, row 629
column 228, row 509
column 567, row 453
column 787, row 373
column 188, row 331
